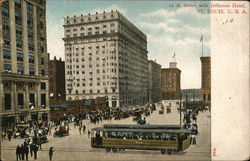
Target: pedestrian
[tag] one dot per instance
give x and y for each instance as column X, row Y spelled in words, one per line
column 3, row 136
column 18, row 153
column 51, row 151
column 80, row 130
column 22, row 151
column 88, row 133
column 84, row 128
column 9, row 135
column 31, row 149
column 39, row 142
column 35, row 151
column 26, row 151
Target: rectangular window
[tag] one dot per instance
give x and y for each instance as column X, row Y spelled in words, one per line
column 5, row 11
column 20, row 99
column 31, row 47
column 18, row 3
column 42, row 61
column 7, row 101
column 19, row 43
column 19, row 31
column 30, row 35
column 6, row 54
column 6, row 40
column 18, row 16
column 20, row 69
column 32, row 71
column 19, row 56
column 31, row 59
column 6, row 28
column 42, row 72
column 43, row 100
column 32, row 100
column 7, row 67
column 40, row 12
column 29, row 8
column 30, row 21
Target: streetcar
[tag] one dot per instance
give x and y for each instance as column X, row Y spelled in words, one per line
column 166, row 138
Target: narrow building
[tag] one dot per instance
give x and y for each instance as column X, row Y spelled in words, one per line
column 154, row 74
column 206, row 78
column 170, row 82
column 56, row 80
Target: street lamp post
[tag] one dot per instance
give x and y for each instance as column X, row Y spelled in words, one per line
column 180, row 109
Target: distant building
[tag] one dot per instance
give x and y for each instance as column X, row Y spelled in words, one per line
column 23, row 62
column 105, row 56
column 56, row 79
column 170, row 82
column 154, row 74
column 206, row 78
column 191, row 94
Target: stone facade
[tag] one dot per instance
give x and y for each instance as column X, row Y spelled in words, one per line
column 206, row 78
column 56, row 79
column 23, row 61
column 170, row 83
column 154, row 74
column 105, row 56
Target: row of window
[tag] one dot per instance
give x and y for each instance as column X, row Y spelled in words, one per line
column 90, row 59
column 90, row 29
column 29, row 6
column 20, row 100
column 90, row 65
column 90, row 33
column 90, row 47
column 104, row 83
column 20, row 69
column 91, row 91
column 112, row 70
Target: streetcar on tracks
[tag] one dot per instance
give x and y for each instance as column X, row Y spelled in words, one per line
column 166, row 138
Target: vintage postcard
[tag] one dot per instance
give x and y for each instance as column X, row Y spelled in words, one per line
column 125, row 80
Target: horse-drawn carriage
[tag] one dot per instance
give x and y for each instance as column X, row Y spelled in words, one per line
column 61, row 131
column 21, row 131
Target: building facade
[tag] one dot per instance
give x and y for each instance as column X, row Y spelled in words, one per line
column 170, row 82
column 191, row 94
column 206, row 78
column 105, row 56
column 56, row 79
column 23, row 61
column 154, row 74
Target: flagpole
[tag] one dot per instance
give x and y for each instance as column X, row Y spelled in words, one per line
column 202, row 47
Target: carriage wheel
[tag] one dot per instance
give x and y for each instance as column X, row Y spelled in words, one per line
column 108, row 149
column 163, row 151
column 169, row 151
column 114, row 149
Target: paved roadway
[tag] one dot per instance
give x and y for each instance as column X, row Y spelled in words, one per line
column 76, row 147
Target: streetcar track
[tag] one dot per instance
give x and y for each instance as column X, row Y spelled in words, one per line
column 122, row 152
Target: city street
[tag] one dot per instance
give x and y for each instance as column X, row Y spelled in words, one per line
column 77, row 147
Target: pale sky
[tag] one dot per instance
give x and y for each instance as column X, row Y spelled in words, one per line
column 169, row 30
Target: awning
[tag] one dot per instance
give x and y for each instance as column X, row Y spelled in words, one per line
column 60, row 106
column 88, row 102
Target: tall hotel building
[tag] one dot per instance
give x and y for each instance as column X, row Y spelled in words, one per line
column 105, row 56
column 23, row 62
